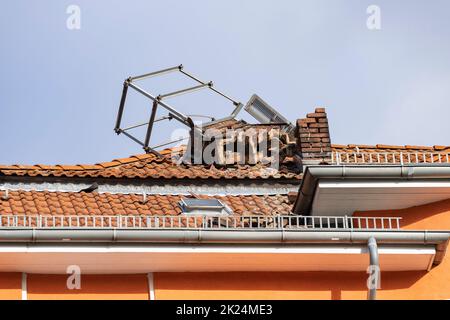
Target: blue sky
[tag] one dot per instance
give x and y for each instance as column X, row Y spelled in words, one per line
column 60, row 88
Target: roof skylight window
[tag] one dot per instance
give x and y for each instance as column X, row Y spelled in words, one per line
column 211, row 207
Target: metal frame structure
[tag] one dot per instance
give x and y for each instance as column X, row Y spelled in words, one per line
column 157, row 101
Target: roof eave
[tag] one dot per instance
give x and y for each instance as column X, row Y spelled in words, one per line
column 313, row 174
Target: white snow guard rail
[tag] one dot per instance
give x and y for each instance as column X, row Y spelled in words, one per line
column 199, row 222
column 341, row 158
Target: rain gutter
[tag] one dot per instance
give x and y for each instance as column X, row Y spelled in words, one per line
column 349, row 236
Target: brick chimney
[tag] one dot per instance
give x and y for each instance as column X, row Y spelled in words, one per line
column 313, row 138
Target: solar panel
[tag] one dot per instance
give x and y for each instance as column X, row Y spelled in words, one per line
column 263, row 112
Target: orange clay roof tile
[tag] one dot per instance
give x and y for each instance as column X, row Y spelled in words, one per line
column 418, row 147
column 125, row 160
column 385, row 146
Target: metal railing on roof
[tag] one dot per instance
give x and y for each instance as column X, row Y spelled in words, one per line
column 389, row 158
column 231, row 222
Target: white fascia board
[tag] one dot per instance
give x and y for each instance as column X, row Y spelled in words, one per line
column 343, row 197
column 102, row 259
column 273, row 249
column 330, row 184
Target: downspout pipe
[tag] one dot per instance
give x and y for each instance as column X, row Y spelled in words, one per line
column 373, row 270
column 313, row 174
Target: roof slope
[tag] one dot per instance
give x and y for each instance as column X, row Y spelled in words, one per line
column 146, row 166
column 72, row 203
column 149, row 166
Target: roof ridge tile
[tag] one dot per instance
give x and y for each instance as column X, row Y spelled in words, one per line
column 108, row 164
column 386, row 146
column 413, row 147
column 125, row 160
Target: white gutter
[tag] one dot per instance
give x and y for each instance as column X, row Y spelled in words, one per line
column 395, row 172
column 221, row 236
column 257, row 236
column 144, row 258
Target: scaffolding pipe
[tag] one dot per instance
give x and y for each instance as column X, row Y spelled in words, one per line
column 183, row 91
column 155, row 73
column 121, row 106
column 177, row 115
column 211, row 87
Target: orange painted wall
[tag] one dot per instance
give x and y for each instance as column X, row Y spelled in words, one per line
column 10, row 286
column 302, row 285
column 102, row 287
column 432, row 216
column 434, row 284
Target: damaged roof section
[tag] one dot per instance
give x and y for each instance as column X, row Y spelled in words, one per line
column 232, row 141
column 308, row 144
